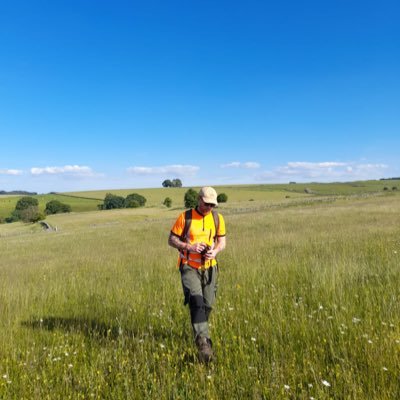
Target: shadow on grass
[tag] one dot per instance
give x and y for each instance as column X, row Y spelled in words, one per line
column 89, row 327
column 100, row 331
column 95, row 329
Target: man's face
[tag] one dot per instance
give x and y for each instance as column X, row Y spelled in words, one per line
column 205, row 208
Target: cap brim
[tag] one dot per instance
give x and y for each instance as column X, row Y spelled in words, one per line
column 211, row 201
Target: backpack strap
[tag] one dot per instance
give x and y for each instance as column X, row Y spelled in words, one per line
column 216, row 222
column 188, row 221
column 185, row 232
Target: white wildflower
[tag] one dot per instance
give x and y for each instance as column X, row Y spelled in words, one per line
column 326, row 383
column 385, row 369
column 356, row 320
column 287, row 387
column 162, row 346
column 253, row 339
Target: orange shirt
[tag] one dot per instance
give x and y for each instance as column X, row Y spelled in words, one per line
column 202, row 230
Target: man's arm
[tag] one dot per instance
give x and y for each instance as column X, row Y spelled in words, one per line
column 175, row 242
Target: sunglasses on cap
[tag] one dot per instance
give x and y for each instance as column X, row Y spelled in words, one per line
column 209, row 204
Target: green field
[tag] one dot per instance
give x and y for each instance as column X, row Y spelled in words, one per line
column 88, row 201
column 308, row 303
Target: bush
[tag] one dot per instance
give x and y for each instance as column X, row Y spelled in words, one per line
column 31, row 214
column 131, row 203
column 14, row 217
column 112, row 201
column 134, row 200
column 56, row 207
column 190, row 198
column 25, row 202
column 26, row 210
column 222, row 198
column 167, row 202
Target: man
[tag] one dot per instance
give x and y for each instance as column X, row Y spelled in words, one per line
column 199, row 235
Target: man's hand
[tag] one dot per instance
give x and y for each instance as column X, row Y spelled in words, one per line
column 211, row 254
column 197, row 247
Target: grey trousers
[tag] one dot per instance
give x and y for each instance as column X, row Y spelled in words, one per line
column 199, row 289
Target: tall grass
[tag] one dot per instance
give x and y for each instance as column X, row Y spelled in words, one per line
column 307, row 307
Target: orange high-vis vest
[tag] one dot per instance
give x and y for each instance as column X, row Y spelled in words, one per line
column 202, row 229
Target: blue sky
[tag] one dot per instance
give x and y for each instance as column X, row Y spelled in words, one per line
column 125, row 94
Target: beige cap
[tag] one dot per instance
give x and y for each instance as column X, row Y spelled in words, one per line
column 208, row 195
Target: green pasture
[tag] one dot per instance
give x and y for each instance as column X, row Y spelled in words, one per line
column 285, row 193
column 262, row 192
column 7, row 203
column 308, row 304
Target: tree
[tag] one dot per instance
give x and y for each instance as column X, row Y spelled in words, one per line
column 190, row 198
column 112, row 201
column 56, row 207
column 222, row 198
column 167, row 183
column 167, row 202
column 25, row 202
column 31, row 214
column 176, row 183
column 26, row 210
column 134, row 200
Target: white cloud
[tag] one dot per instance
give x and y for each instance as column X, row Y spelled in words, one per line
column 324, row 171
column 71, row 170
column 11, row 172
column 312, row 166
column 245, row 165
column 176, row 170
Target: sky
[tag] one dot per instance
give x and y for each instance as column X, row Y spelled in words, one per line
column 98, row 94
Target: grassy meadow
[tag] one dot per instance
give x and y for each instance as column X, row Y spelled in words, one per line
column 308, row 304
